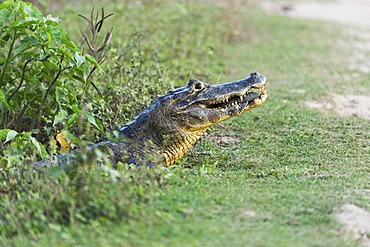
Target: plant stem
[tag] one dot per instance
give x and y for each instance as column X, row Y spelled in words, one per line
column 7, row 60
column 23, row 74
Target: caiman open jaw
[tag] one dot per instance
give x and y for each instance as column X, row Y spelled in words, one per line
column 249, row 98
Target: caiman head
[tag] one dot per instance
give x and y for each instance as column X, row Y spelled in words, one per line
column 199, row 105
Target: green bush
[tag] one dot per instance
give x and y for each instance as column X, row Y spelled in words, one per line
column 42, row 77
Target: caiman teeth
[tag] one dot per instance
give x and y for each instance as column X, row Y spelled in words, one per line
column 227, row 102
column 234, row 100
column 263, row 90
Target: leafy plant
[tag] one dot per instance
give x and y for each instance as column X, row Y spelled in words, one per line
column 42, row 74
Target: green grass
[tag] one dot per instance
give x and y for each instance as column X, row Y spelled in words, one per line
column 279, row 180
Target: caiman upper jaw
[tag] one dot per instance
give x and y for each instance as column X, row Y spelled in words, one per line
column 237, row 99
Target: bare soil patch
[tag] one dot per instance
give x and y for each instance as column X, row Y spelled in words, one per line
column 349, row 12
column 356, row 221
column 345, row 105
column 222, row 139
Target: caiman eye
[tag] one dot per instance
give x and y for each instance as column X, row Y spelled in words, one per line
column 198, row 86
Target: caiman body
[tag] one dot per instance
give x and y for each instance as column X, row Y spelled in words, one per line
column 171, row 125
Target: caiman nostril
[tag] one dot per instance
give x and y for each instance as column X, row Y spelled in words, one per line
column 254, row 74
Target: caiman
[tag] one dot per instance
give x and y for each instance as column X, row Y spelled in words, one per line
column 171, row 125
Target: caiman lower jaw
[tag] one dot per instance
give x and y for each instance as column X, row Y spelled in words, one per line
column 238, row 99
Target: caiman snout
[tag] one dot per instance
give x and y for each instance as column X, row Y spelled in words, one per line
column 257, row 77
column 256, row 74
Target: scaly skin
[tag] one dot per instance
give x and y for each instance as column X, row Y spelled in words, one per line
column 171, row 125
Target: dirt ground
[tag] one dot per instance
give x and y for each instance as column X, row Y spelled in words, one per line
column 356, row 221
column 345, row 105
column 349, row 12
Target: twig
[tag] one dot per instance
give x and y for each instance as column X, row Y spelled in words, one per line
column 24, row 72
column 95, row 27
column 96, row 88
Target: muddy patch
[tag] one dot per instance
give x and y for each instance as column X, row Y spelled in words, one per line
column 345, row 105
column 223, row 140
column 356, row 222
